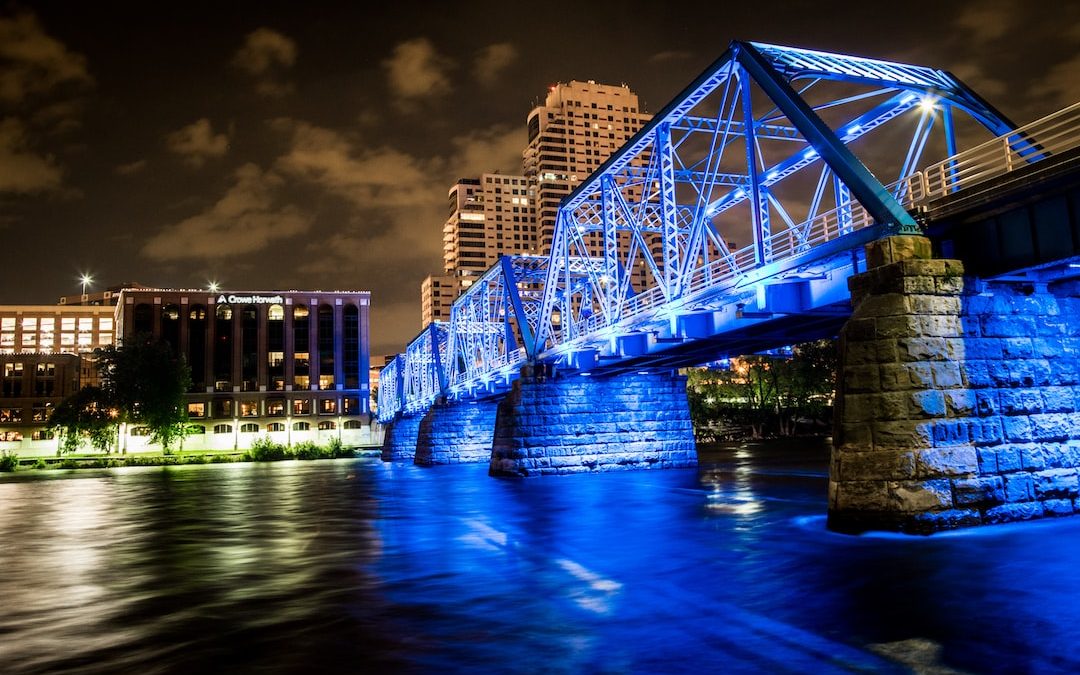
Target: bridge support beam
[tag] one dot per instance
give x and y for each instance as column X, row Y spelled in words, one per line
column 579, row 424
column 958, row 402
column 399, row 439
column 456, row 432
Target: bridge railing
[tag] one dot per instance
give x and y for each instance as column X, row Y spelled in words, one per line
column 1050, row 135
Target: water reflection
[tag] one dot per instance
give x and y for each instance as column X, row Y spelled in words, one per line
column 356, row 565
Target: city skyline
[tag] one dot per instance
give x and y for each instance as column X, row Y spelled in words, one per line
column 280, row 147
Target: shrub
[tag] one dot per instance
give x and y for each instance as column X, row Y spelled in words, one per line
column 308, row 450
column 9, row 461
column 336, row 449
column 194, row 459
column 223, row 459
column 69, row 463
column 40, row 464
column 266, row 450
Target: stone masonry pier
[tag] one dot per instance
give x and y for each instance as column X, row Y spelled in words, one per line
column 958, row 401
column 579, row 424
column 452, row 433
column 399, row 439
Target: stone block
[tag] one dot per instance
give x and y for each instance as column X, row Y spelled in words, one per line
column 939, row 326
column 1056, row 484
column 1032, row 457
column 997, row 325
column 1008, row 513
column 947, row 375
column 1017, row 429
column 1047, row 347
column 1058, row 507
column 1016, row 348
column 986, row 431
column 902, row 435
column 1050, row 427
column 979, row 348
column 916, row 496
column 925, row 403
column 949, row 285
column 939, row 462
column 921, row 285
column 864, row 495
column 921, row 349
column 931, row 305
column 938, row 521
column 987, row 402
column 890, row 304
column 900, row 326
column 987, row 460
column 896, row 248
column 855, row 433
column 978, row 374
column 960, row 402
column 985, row 491
column 861, row 330
column 951, row 432
column 1019, row 487
column 1020, row 401
column 922, row 267
column 861, row 378
column 888, row 465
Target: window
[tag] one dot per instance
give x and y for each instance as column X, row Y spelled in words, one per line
column 222, row 428
column 327, row 406
column 327, row 425
column 301, row 406
column 275, row 358
column 41, row 411
column 11, row 415
column 86, row 325
column 223, row 407
column 29, row 324
column 326, row 382
column 275, row 426
column 13, row 369
column 105, row 323
column 275, row 407
column 275, row 313
column 43, row 435
column 301, row 426
column 140, row 431
column 10, row 436
column 351, row 405
column 67, row 323
column 353, row 424
column 197, row 409
column 249, row 428
column 7, row 323
column 249, row 409
column 196, row 429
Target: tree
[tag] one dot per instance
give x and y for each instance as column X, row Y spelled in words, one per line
column 87, row 414
column 146, row 382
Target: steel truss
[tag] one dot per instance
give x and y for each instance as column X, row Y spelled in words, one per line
column 760, row 148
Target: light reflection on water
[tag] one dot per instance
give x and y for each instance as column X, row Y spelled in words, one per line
column 354, row 565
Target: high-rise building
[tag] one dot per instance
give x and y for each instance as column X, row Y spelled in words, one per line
column 579, row 126
column 489, row 216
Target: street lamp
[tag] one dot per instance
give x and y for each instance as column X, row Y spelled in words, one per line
column 85, row 280
column 212, row 286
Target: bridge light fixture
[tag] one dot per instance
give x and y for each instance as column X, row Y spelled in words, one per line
column 771, row 175
column 927, row 103
column 854, row 128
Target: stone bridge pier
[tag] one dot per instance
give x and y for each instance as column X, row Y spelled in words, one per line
column 958, row 401
column 399, row 438
column 577, row 423
column 456, row 432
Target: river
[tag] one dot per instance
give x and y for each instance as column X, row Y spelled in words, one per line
column 360, row 566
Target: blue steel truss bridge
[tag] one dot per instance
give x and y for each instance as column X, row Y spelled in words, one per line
column 730, row 224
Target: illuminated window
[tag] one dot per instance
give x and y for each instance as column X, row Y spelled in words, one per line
column 249, row 428
column 86, row 325
column 197, row 409
column 7, row 323
column 10, row 415
column 11, row 436
column 67, row 323
column 249, row 409
column 301, row 406
column 275, row 358
column 326, row 382
column 47, row 324
column 275, row 407
column 353, row 424
column 327, row 406
column 46, row 370
column 29, row 339
column 301, row 426
column 85, row 339
column 275, row 426
column 67, row 339
column 105, row 323
column 301, row 381
column 140, row 431
column 223, row 428
column 29, row 323
column 224, row 312
column 13, row 369
column 327, row 425
column 43, row 435
column 276, row 313
column 350, row 405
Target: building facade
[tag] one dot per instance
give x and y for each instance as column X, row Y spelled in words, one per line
column 290, row 365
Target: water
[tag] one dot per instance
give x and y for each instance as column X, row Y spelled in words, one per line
column 357, row 566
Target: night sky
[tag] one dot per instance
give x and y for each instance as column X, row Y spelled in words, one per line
column 272, row 145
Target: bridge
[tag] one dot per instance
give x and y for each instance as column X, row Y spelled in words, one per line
column 566, row 362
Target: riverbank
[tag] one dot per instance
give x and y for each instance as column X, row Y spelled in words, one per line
column 100, row 461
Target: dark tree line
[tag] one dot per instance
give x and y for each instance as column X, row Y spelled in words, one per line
column 765, row 395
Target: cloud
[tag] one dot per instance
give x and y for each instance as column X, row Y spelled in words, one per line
column 197, row 142
column 32, row 63
column 131, row 168
column 245, row 220
column 1060, row 85
column 416, row 71
column 492, row 60
column 489, row 150
column 21, row 170
column 986, row 21
column 668, row 56
column 266, row 56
